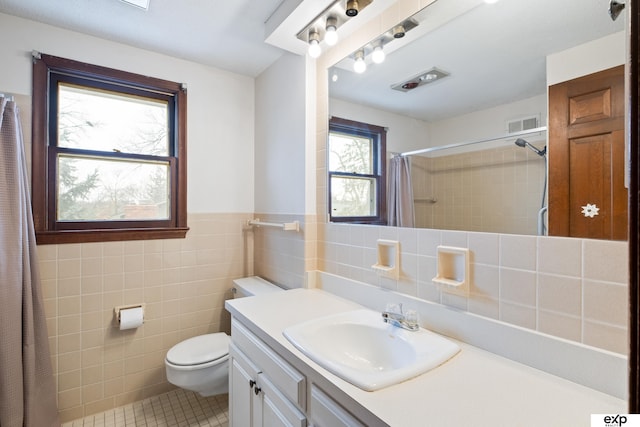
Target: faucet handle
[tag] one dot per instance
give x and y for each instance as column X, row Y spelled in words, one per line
column 393, row 307
column 411, row 317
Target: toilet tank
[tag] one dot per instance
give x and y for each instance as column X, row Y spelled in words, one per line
column 254, row 285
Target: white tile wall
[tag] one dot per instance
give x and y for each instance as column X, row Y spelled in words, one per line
column 571, row 288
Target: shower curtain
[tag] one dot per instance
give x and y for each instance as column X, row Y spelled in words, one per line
column 400, row 199
column 27, row 388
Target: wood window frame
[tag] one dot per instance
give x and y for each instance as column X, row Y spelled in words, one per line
column 44, row 156
column 379, row 133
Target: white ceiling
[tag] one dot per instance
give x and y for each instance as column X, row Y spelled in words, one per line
column 505, row 62
column 225, row 34
column 495, row 53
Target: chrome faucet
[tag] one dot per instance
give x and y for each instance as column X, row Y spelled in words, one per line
column 394, row 316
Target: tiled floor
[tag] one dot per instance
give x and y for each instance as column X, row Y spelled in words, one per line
column 178, row 408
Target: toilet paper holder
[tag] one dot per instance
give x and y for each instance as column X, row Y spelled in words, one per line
column 117, row 310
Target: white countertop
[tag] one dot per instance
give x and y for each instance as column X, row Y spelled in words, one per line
column 474, row 388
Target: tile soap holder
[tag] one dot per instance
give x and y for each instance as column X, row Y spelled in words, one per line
column 453, row 270
column 388, row 264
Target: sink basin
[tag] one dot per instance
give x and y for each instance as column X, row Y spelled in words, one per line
column 360, row 348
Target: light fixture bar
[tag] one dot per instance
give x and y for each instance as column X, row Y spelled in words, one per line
column 376, row 47
column 336, row 10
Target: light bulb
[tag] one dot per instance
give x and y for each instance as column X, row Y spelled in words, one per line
column 314, row 44
column 334, row 77
column 314, row 49
column 352, row 8
column 331, row 34
column 360, row 66
column 378, row 55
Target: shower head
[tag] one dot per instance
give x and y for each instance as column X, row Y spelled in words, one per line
column 522, row 143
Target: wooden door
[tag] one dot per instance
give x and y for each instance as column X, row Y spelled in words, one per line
column 587, row 196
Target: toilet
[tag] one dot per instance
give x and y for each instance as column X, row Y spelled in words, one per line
column 201, row 363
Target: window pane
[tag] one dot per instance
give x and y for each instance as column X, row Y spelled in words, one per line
column 350, row 153
column 94, row 119
column 353, row 196
column 91, row 189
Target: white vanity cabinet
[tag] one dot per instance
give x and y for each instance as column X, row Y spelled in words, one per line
column 244, row 406
column 326, row 412
column 293, row 384
column 264, row 390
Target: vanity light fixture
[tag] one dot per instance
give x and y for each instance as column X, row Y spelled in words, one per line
column 398, row 31
column 352, row 8
column 331, row 33
column 377, row 47
column 378, row 55
column 359, row 66
column 324, row 26
column 314, row 44
column 615, row 8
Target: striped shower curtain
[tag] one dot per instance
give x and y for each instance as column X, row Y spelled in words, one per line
column 400, row 193
column 27, row 389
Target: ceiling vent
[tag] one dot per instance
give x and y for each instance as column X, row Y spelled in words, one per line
column 522, row 124
column 421, row 79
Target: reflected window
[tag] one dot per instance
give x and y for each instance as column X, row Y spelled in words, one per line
column 356, row 172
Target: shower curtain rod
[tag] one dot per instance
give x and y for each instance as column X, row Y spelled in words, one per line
column 462, row 144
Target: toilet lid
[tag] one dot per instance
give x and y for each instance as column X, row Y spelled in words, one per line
column 200, row 349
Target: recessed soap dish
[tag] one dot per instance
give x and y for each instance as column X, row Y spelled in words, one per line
column 453, row 270
column 388, row 263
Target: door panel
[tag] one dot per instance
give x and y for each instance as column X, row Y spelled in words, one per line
column 586, row 157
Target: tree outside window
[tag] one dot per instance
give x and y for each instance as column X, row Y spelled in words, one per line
column 356, row 172
column 109, row 154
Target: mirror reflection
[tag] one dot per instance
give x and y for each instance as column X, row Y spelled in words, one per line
column 509, row 116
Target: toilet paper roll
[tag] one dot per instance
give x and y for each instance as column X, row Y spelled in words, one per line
column 131, row 318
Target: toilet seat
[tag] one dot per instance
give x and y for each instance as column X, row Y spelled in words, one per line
column 199, row 352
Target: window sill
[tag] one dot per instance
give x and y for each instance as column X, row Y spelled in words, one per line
column 87, row 236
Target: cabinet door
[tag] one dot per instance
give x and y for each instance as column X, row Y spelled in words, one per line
column 277, row 410
column 244, row 406
column 326, row 412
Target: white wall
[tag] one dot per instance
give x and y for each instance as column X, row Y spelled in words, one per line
column 488, row 123
column 220, row 129
column 403, row 133
column 407, row 134
column 280, row 119
column 588, row 58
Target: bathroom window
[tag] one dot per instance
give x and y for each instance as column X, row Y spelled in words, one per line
column 356, row 172
column 109, row 154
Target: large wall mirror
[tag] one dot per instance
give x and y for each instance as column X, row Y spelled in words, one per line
column 495, row 106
